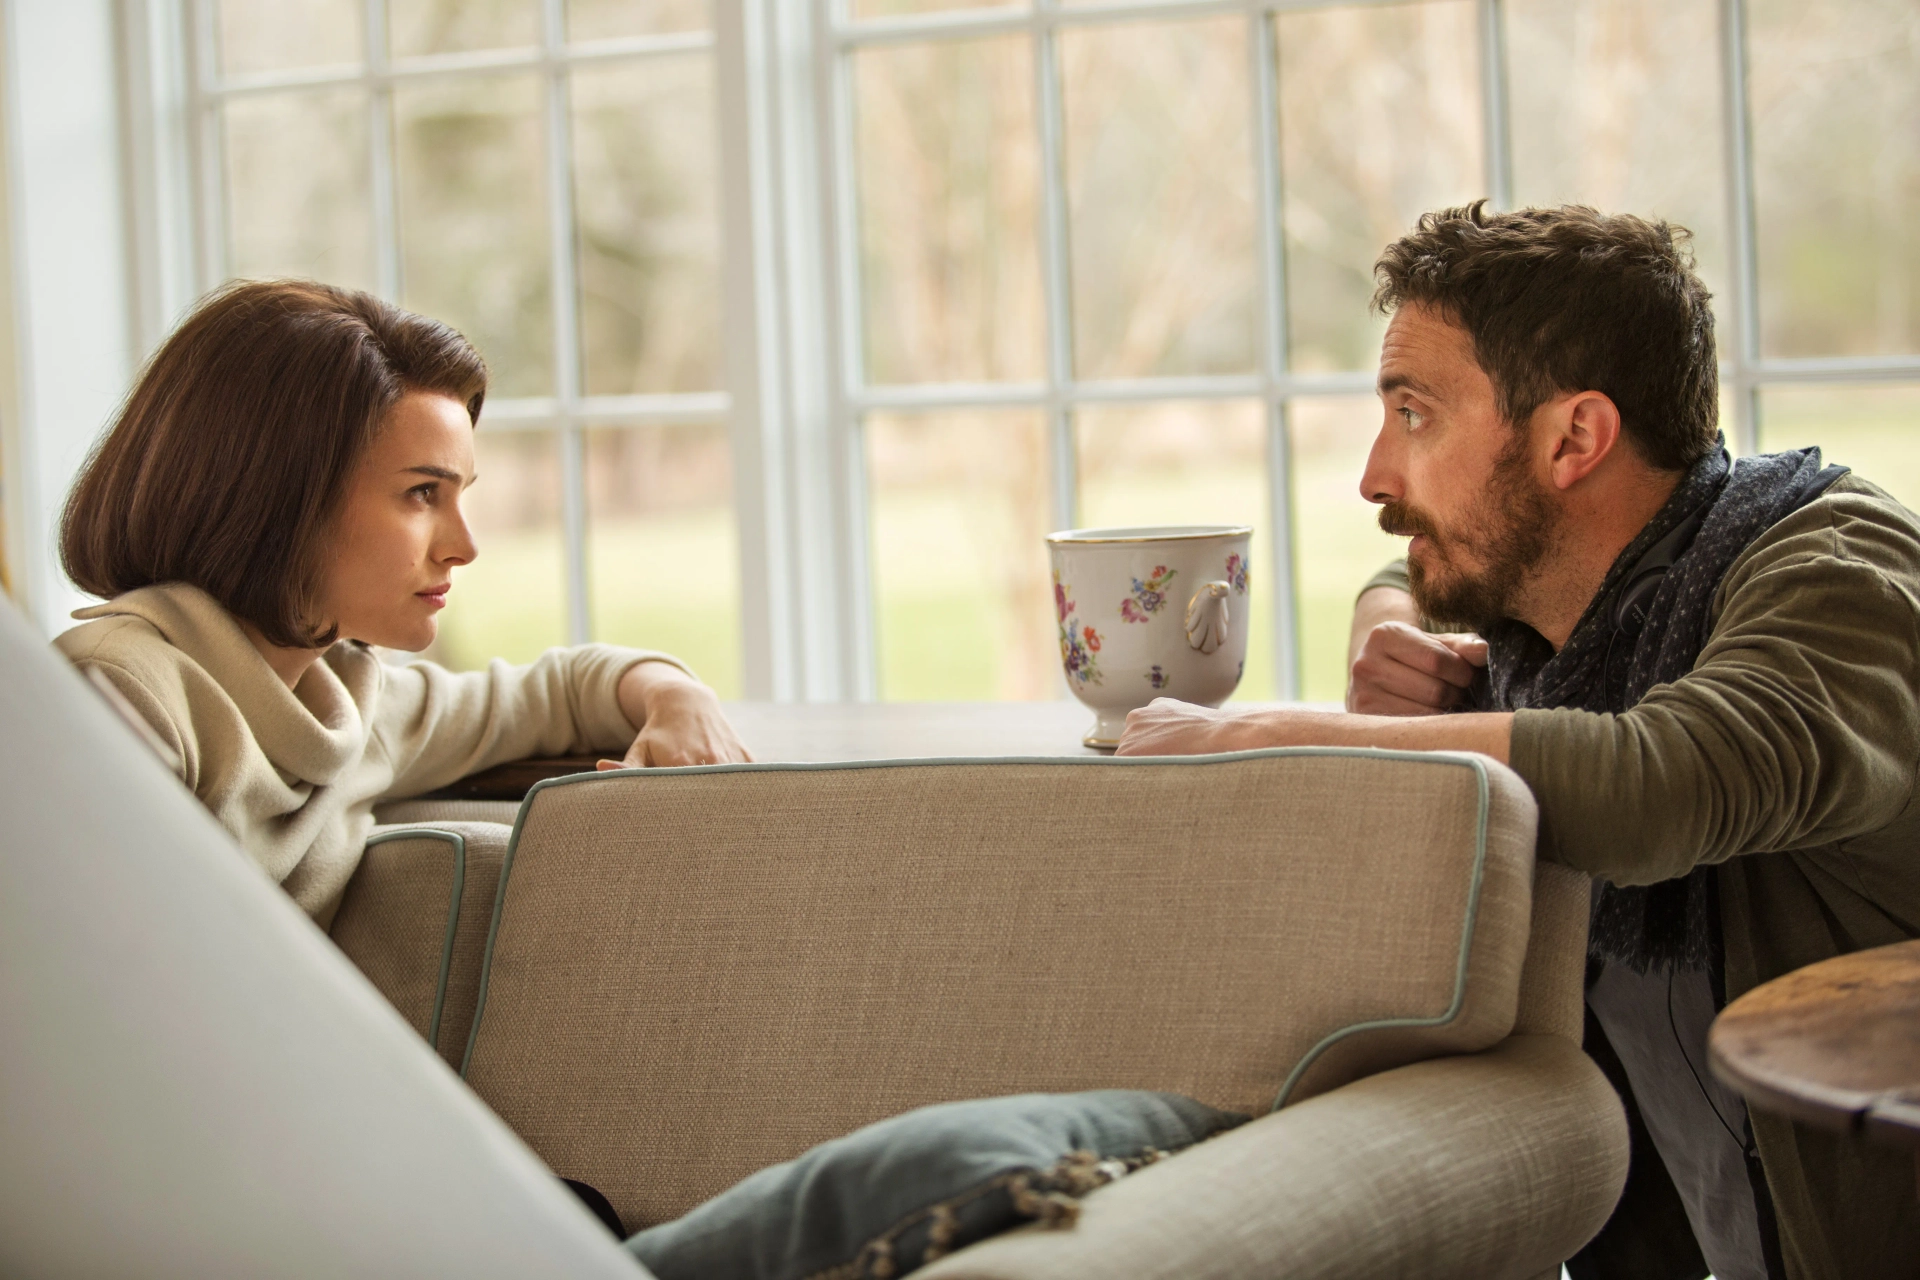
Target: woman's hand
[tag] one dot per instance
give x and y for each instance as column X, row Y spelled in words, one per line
column 680, row 721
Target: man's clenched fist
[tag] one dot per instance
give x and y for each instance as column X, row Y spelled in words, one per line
column 1401, row 670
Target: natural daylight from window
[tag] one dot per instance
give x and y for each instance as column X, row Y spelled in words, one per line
column 1082, row 267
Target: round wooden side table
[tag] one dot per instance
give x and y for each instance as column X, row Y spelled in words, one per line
column 1836, row 1044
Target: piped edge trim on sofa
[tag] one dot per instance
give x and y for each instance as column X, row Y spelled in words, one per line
column 459, row 843
column 1467, row 760
column 1472, row 916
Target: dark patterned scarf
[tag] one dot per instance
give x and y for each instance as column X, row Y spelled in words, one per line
column 1609, row 668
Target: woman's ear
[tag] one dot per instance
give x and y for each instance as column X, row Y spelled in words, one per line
column 1586, row 428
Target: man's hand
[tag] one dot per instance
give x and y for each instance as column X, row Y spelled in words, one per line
column 1170, row 727
column 1400, row 670
column 680, row 721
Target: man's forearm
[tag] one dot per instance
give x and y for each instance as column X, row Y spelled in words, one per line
column 1488, row 732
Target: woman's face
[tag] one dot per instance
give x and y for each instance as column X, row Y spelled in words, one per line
column 400, row 532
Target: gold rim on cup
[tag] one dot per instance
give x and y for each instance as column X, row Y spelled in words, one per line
column 1146, row 533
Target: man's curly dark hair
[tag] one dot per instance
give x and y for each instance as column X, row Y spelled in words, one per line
column 1571, row 299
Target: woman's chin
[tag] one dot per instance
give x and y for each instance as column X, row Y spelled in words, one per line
column 409, row 637
column 424, row 635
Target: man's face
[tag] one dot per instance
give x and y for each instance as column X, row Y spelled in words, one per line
column 1448, row 470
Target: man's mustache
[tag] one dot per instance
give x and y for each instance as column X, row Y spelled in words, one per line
column 1403, row 521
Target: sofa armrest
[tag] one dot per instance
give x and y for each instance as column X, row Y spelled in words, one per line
column 1493, row 1165
column 414, row 920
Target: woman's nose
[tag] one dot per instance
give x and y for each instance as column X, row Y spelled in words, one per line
column 458, row 546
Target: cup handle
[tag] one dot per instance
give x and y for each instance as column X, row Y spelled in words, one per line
column 1207, row 620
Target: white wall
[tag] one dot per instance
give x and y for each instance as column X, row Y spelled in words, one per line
column 68, row 300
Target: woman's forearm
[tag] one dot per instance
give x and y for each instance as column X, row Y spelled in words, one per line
column 645, row 683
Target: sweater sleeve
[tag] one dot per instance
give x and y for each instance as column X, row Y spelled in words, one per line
column 1393, row 574
column 1795, row 728
column 93, row 651
column 438, row 726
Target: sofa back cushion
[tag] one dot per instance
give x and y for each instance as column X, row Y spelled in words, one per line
column 696, row 973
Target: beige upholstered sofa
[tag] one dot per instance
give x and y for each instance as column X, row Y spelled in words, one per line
column 692, row 974
column 660, row 982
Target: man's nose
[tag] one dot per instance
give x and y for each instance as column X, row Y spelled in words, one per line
column 1382, row 482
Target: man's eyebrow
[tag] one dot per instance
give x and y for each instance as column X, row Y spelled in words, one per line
column 1402, row 382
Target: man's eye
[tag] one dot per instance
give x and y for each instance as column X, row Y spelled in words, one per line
column 1412, row 417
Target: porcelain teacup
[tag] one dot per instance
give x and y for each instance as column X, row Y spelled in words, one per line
column 1150, row 612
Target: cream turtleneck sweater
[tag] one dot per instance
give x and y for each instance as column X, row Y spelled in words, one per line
column 295, row 773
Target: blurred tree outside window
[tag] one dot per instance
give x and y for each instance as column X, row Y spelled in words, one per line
column 1875, row 430
column 1160, row 192
column 1379, row 122
column 1835, row 104
column 661, row 545
column 962, row 583
column 473, row 230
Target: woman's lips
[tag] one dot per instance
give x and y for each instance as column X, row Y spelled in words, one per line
column 434, row 596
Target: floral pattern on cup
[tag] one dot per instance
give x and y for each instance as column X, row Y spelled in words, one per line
column 1078, row 644
column 1237, row 574
column 1158, row 678
column 1148, row 597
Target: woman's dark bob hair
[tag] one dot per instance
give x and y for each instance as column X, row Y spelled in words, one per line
column 232, row 456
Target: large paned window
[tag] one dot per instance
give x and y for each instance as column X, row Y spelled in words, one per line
column 1114, row 264
column 1032, row 265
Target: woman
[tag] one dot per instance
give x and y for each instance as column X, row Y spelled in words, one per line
column 282, row 490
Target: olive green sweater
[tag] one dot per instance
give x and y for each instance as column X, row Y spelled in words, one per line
column 294, row 773
column 1790, row 757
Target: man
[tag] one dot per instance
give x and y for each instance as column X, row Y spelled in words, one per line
column 1708, row 675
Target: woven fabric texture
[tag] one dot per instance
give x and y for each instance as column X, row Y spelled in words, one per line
column 486, row 851
column 700, row 974
column 392, row 923
column 1492, row 1166
column 1555, row 974
column 433, row 813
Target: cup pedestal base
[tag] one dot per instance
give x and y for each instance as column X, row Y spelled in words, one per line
column 1106, row 730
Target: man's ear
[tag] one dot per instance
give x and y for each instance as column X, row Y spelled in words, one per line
column 1584, row 429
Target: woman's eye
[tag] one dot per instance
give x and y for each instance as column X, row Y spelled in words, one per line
column 424, row 492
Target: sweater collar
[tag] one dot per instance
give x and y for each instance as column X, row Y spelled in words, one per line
column 312, row 731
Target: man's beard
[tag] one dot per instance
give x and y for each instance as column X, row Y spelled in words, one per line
column 1509, row 530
